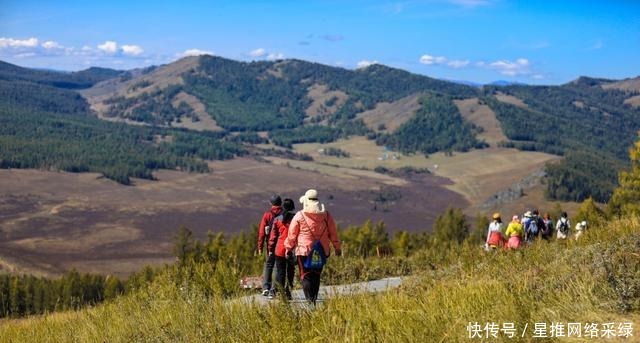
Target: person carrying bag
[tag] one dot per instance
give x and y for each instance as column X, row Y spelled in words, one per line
column 311, row 232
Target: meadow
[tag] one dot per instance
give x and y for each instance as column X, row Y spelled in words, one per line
column 454, row 294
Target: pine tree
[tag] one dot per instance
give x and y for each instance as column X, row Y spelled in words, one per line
column 450, row 227
column 184, row 245
column 590, row 213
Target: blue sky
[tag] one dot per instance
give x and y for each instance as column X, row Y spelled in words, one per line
column 537, row 42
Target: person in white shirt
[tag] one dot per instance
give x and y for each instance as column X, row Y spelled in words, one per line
column 563, row 226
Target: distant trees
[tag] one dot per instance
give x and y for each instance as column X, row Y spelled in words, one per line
column 593, row 136
column 450, row 227
column 33, row 139
column 22, row 295
column 437, row 126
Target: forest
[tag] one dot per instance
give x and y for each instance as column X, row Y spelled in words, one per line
column 47, row 127
column 440, row 121
column 590, row 126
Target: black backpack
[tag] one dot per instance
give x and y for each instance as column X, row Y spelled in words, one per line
column 564, row 226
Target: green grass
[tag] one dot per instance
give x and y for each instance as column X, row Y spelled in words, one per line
column 595, row 280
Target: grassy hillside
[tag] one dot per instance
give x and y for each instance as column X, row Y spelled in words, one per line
column 595, row 280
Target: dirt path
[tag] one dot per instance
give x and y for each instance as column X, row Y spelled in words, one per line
column 327, row 292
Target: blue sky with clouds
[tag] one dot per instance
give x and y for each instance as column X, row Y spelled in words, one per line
column 538, row 42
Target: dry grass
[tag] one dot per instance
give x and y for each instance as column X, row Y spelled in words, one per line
column 632, row 84
column 391, row 115
column 557, row 282
column 482, row 116
column 633, row 101
column 206, row 121
column 477, row 174
column 510, row 99
column 319, row 94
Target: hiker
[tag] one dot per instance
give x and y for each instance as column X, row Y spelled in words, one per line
column 515, row 233
column 580, row 228
column 284, row 266
column 547, row 227
column 563, row 225
column 532, row 224
column 310, row 232
column 494, row 234
column 268, row 218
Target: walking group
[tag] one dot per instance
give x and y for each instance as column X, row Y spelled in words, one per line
column 303, row 238
column 528, row 228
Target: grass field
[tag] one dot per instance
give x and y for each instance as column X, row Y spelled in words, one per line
column 477, row 174
column 558, row 282
column 484, row 117
column 51, row 222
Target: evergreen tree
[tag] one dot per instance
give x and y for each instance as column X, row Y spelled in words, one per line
column 184, row 245
column 450, row 227
column 590, row 212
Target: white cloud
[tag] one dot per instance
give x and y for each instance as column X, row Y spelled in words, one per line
column 431, row 60
column 597, row 45
column 258, row 52
column 194, row 52
column 273, row 56
column 109, row 47
column 132, row 50
column 365, row 63
column 49, row 45
column 26, row 54
column 457, row 64
column 17, row 43
column 470, row 3
column 506, row 67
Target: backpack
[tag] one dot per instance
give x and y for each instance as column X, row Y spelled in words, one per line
column 548, row 228
column 317, row 257
column 564, row 226
column 532, row 228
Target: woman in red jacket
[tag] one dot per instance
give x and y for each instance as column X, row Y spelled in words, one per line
column 284, row 266
column 311, row 224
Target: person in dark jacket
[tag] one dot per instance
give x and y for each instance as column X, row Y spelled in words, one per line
column 263, row 235
column 285, row 267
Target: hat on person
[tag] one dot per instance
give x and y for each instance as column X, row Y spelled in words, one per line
column 275, row 200
column 496, row 215
column 527, row 214
column 310, row 203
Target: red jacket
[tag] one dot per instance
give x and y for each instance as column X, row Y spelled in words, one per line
column 277, row 237
column 267, row 217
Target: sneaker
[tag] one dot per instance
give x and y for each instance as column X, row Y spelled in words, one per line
column 265, row 293
column 271, row 294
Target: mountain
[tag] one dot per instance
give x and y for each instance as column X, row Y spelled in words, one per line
column 504, row 83
column 295, row 101
column 74, row 80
